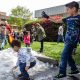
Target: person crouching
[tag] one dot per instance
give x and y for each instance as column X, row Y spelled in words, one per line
column 25, row 59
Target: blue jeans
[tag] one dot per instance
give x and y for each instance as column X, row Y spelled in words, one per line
column 3, row 43
column 60, row 38
column 22, row 68
column 67, row 58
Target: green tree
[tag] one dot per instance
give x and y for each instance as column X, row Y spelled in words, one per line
column 19, row 16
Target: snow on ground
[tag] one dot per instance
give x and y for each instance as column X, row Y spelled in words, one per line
column 42, row 71
column 8, row 59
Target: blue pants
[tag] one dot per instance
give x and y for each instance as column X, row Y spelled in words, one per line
column 67, row 58
column 60, row 38
column 22, row 68
column 3, row 43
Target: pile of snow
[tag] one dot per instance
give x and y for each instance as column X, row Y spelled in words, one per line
column 8, row 59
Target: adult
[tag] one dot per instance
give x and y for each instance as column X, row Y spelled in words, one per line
column 34, row 32
column 10, row 33
column 1, row 37
column 60, row 34
column 2, row 34
column 21, row 35
column 41, row 35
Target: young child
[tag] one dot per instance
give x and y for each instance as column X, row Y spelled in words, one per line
column 25, row 59
column 71, row 38
column 27, row 39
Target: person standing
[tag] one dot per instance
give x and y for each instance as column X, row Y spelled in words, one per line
column 1, row 37
column 27, row 38
column 21, row 35
column 71, row 38
column 41, row 35
column 33, row 30
column 32, row 33
column 60, row 34
column 4, row 34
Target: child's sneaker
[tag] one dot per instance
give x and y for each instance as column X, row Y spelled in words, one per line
column 20, row 75
column 60, row 75
column 27, row 79
column 22, row 78
column 74, row 72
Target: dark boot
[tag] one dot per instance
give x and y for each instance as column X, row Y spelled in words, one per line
column 74, row 72
column 20, row 75
column 27, row 79
column 41, row 51
column 0, row 48
column 60, row 76
column 22, row 78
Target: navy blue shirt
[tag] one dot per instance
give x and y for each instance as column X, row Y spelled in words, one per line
column 73, row 29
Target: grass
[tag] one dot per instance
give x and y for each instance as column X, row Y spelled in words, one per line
column 50, row 49
column 53, row 50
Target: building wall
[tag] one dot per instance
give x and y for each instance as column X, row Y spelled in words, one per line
column 58, row 10
column 3, row 16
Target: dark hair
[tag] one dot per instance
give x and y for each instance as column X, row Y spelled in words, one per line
column 26, row 33
column 73, row 4
column 15, row 43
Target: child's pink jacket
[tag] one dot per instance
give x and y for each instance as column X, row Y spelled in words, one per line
column 27, row 39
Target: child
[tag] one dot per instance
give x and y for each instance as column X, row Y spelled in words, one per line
column 71, row 38
column 27, row 39
column 25, row 59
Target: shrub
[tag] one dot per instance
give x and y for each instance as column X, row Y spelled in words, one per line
column 50, row 28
